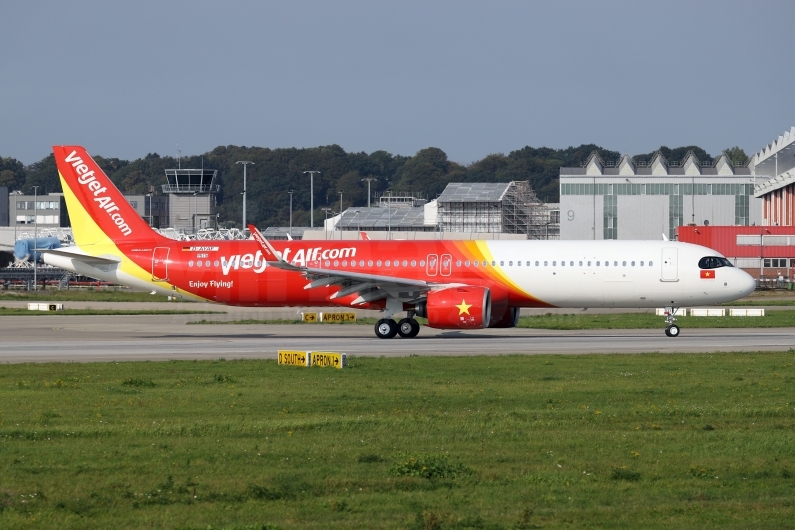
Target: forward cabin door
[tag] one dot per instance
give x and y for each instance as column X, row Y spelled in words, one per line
column 160, row 264
column 670, row 267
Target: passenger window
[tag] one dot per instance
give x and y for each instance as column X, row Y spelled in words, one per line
column 336, row 263
column 607, row 263
column 467, row 263
column 581, row 264
column 554, row 263
column 527, row 264
column 562, row 263
column 485, row 263
column 502, row 264
column 651, row 264
column 597, row 263
column 510, row 263
column 414, row 263
column 615, row 264
column 641, row 264
column 493, row 263
column 370, row 263
column 536, row 264
column 422, row 263
column 378, row 263
column 546, row 263
column 475, row 263
column 633, row 263
column 571, row 264
column 405, row 263
column 623, row 263
column 457, row 263
column 518, row 263
column 345, row 263
column 589, row 263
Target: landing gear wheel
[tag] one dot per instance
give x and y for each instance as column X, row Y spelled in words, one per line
column 386, row 328
column 408, row 328
column 672, row 330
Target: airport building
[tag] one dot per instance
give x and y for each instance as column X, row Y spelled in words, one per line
column 48, row 211
column 774, row 171
column 4, row 218
column 152, row 208
column 625, row 199
column 192, row 202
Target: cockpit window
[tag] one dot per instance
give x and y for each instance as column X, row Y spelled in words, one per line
column 713, row 262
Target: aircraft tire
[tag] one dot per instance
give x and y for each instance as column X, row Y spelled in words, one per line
column 386, row 328
column 672, row 330
column 408, row 328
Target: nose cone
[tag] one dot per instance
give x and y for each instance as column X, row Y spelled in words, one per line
column 746, row 283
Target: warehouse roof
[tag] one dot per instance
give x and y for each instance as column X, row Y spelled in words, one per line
column 474, row 192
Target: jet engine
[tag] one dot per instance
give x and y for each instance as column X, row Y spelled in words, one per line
column 509, row 319
column 457, row 308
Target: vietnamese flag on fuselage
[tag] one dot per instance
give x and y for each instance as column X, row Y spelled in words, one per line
column 709, row 275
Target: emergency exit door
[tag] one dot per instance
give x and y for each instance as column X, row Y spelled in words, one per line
column 160, row 264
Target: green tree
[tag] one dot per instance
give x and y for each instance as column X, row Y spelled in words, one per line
column 12, row 173
column 736, row 155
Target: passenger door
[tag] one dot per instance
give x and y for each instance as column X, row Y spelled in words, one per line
column 670, row 268
column 160, row 264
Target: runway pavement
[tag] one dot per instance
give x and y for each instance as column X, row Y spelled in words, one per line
column 163, row 337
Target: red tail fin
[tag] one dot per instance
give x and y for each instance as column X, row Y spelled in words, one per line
column 94, row 202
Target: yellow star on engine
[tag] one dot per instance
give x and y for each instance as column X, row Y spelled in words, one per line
column 463, row 308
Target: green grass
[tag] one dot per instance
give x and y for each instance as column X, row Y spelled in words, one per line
column 82, row 295
column 759, row 303
column 366, row 320
column 600, row 441
column 15, row 311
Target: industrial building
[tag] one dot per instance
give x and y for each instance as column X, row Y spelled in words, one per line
column 472, row 210
column 50, row 212
column 774, row 170
column 625, row 199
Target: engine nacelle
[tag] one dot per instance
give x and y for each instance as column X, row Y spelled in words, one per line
column 457, row 308
column 509, row 319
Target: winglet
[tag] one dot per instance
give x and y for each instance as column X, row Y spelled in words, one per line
column 272, row 256
column 665, row 238
column 364, row 236
column 270, row 252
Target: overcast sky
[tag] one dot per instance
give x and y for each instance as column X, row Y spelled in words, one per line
column 472, row 78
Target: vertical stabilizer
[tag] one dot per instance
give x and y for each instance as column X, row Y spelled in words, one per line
column 98, row 211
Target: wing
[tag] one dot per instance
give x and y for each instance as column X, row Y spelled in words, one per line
column 94, row 260
column 368, row 287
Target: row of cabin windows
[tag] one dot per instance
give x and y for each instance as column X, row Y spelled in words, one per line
column 467, row 263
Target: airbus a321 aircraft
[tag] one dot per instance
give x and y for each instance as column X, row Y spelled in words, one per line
column 454, row 284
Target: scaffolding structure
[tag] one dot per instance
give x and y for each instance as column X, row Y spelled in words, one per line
column 511, row 207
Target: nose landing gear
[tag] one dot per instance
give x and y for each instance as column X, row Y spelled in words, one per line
column 671, row 330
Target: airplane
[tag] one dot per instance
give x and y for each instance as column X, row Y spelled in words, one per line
column 453, row 284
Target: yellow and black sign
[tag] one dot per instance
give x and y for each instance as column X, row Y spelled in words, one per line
column 338, row 317
column 328, row 359
column 293, row 358
column 309, row 317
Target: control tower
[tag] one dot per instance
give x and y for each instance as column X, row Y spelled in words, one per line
column 191, row 198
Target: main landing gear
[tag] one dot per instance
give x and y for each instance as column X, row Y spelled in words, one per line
column 407, row 328
column 386, row 328
column 671, row 330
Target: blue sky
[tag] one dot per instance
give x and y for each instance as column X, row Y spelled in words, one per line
column 472, row 78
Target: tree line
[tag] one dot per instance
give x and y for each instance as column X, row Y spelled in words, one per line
column 276, row 171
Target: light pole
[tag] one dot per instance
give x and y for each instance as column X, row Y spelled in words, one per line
column 291, row 212
column 368, row 180
column 245, row 164
column 358, row 225
column 35, row 235
column 389, row 214
column 195, row 213
column 311, row 197
column 325, row 225
column 340, row 221
column 150, row 207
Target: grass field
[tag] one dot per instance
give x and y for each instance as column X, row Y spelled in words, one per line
column 83, row 295
column 627, row 441
column 772, row 319
column 16, row 311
